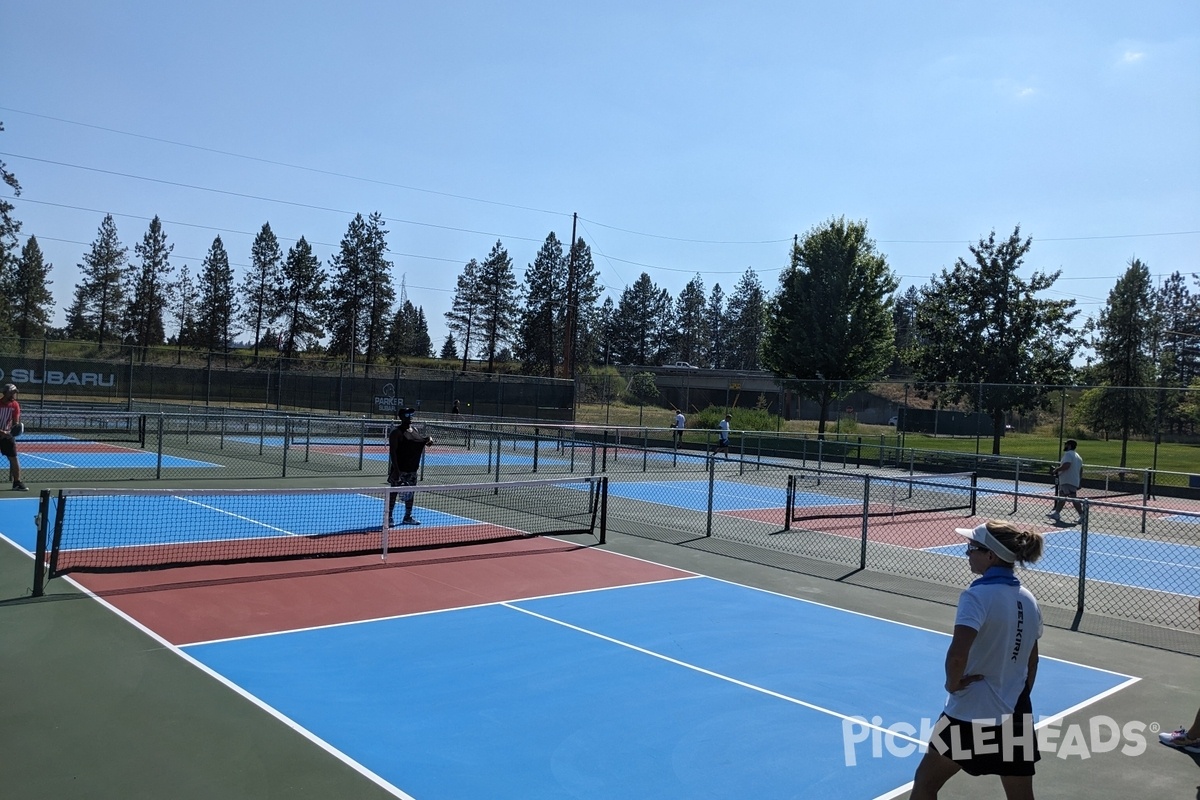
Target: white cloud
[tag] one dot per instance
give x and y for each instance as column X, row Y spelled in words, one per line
column 1132, row 56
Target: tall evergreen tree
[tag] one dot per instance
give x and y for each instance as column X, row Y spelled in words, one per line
column 714, row 328
column 691, row 332
column 582, row 298
column 186, row 296
column 148, row 289
column 449, row 349
column 409, row 332
column 100, row 294
column 28, row 292
column 543, row 310
column 465, row 309
column 361, row 293
column 982, row 333
column 904, row 314
column 1125, row 333
column 830, row 324
column 497, row 303
column 642, row 324
column 302, row 299
column 1178, row 348
column 746, row 319
column 218, row 307
column 10, row 227
column 261, row 291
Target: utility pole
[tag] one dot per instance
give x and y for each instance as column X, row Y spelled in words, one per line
column 572, row 301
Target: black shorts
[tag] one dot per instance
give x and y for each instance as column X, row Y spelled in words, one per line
column 1004, row 745
column 8, row 446
column 397, row 478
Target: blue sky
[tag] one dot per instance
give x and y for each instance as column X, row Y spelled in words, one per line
column 689, row 137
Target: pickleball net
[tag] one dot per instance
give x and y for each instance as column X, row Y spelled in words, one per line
column 116, row 530
column 827, row 494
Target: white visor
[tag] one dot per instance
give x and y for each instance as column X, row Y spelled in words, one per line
column 981, row 535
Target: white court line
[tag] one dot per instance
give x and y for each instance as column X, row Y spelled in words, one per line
column 34, row 457
column 717, row 675
column 241, row 517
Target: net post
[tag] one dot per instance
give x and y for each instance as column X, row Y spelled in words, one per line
column 158, row 464
column 56, row 542
column 603, row 509
column 974, row 493
column 362, row 443
column 39, row 559
column 287, row 439
column 789, row 502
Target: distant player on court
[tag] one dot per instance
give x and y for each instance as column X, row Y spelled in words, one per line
column 723, row 435
column 10, row 428
column 1068, row 477
column 405, row 447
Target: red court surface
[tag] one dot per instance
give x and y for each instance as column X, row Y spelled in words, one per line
column 197, row 604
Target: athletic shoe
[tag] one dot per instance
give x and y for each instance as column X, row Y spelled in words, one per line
column 19, row 487
column 1054, row 516
column 410, row 521
column 1180, row 739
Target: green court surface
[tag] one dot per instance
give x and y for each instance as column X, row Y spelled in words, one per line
column 93, row 707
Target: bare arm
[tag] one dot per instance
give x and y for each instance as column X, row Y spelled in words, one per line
column 1033, row 666
column 956, row 659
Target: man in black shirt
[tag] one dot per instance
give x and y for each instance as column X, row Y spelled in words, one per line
column 405, row 447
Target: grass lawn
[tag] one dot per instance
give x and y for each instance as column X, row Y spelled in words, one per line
column 1096, row 453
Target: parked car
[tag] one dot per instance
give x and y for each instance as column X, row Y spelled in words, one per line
column 893, row 421
column 684, row 365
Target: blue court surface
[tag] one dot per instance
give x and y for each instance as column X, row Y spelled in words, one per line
column 1122, row 560
column 727, row 495
column 64, row 453
column 677, row 689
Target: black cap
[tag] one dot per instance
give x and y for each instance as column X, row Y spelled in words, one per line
column 407, row 412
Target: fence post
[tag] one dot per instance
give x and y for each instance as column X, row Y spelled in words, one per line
column 712, row 473
column 1083, row 540
column 866, row 513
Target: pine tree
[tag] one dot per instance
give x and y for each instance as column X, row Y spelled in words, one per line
column 543, row 313
column 361, row 293
column 642, row 324
column 100, row 295
column 10, row 227
column 218, row 302
column 583, row 298
column 464, row 314
column 261, row 287
column 185, row 309
column 148, row 289
column 29, row 297
column 497, row 302
column 449, row 349
column 715, row 329
column 746, row 319
column 302, row 299
column 691, row 332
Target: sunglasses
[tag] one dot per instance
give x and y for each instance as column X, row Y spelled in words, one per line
column 976, row 548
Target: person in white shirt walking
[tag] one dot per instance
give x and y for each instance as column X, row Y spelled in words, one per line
column 1068, row 477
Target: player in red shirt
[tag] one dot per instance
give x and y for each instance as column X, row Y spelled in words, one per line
column 10, row 426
